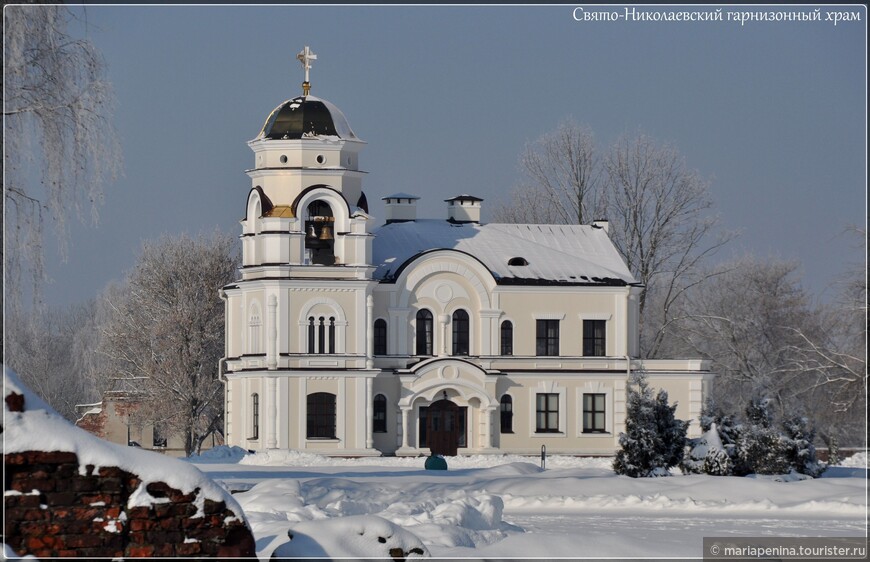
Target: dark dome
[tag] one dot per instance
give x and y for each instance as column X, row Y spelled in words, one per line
column 306, row 116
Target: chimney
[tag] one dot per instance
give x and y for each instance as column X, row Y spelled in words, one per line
column 602, row 223
column 401, row 207
column 463, row 208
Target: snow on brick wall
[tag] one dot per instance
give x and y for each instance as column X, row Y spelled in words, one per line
column 68, row 493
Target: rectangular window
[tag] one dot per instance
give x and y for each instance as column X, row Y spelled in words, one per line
column 593, row 413
column 547, row 341
column 594, row 338
column 321, row 416
column 547, row 413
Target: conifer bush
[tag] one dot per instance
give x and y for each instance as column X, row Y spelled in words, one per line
column 654, row 440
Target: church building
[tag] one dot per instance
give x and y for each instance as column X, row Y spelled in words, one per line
column 351, row 336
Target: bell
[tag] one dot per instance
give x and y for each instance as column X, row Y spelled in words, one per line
column 311, row 234
column 326, row 232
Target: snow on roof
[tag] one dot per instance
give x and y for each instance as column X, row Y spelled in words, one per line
column 40, row 428
column 399, row 195
column 570, row 254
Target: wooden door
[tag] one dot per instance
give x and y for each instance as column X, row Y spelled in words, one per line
column 442, row 427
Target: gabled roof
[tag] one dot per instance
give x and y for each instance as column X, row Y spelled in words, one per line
column 556, row 254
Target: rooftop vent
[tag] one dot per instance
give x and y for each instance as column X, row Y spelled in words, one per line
column 518, row 261
column 463, row 208
column 401, row 207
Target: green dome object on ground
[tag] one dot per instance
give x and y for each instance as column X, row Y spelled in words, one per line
column 435, row 462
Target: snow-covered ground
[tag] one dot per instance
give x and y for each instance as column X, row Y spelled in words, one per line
column 506, row 506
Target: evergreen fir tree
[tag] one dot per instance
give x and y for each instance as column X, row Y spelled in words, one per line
column 672, row 432
column 648, row 447
column 800, row 452
column 760, row 448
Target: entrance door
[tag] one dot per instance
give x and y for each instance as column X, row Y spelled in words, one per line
column 442, row 427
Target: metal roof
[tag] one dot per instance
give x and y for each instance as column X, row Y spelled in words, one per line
column 556, row 254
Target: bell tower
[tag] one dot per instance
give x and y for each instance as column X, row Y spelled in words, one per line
column 306, row 175
column 299, row 322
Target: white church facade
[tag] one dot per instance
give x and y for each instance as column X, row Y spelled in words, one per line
column 348, row 338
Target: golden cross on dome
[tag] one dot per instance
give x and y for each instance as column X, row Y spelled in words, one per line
column 305, row 57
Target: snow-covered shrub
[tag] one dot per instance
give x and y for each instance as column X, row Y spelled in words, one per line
column 833, row 446
column 693, row 460
column 654, row 440
column 799, row 449
column 758, row 412
column 708, row 455
column 718, row 463
column 762, row 450
column 727, row 426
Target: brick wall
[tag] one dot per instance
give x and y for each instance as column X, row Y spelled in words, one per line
column 55, row 507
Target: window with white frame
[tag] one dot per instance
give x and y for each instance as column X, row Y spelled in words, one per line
column 380, row 337
column 424, row 332
column 594, row 414
column 594, row 338
column 460, row 332
column 547, row 412
column 255, row 416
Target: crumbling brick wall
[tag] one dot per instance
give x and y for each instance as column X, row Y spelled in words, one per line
column 55, row 507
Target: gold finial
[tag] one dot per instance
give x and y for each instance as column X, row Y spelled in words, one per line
column 305, row 57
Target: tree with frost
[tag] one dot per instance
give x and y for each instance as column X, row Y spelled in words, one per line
column 165, row 334
column 653, row 440
column 42, row 347
column 761, row 449
column 799, row 449
column 60, row 148
column 657, row 206
column 765, row 336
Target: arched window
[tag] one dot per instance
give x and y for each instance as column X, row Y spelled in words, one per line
column 255, row 416
column 507, row 338
column 507, row 414
column 460, row 332
column 311, row 337
column 321, row 334
column 319, row 234
column 424, row 332
column 379, row 414
column 320, row 414
column 380, row 336
column 331, row 335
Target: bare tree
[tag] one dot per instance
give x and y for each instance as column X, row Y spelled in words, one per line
column 560, row 179
column 166, row 332
column 767, row 338
column 41, row 349
column 659, row 210
column 60, row 148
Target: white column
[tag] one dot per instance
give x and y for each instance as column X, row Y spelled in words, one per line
column 489, row 331
column 487, row 427
column 369, row 410
column 271, row 437
column 272, row 331
column 405, row 428
column 443, row 319
column 370, row 333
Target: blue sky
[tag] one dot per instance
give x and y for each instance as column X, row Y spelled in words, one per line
column 447, row 97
